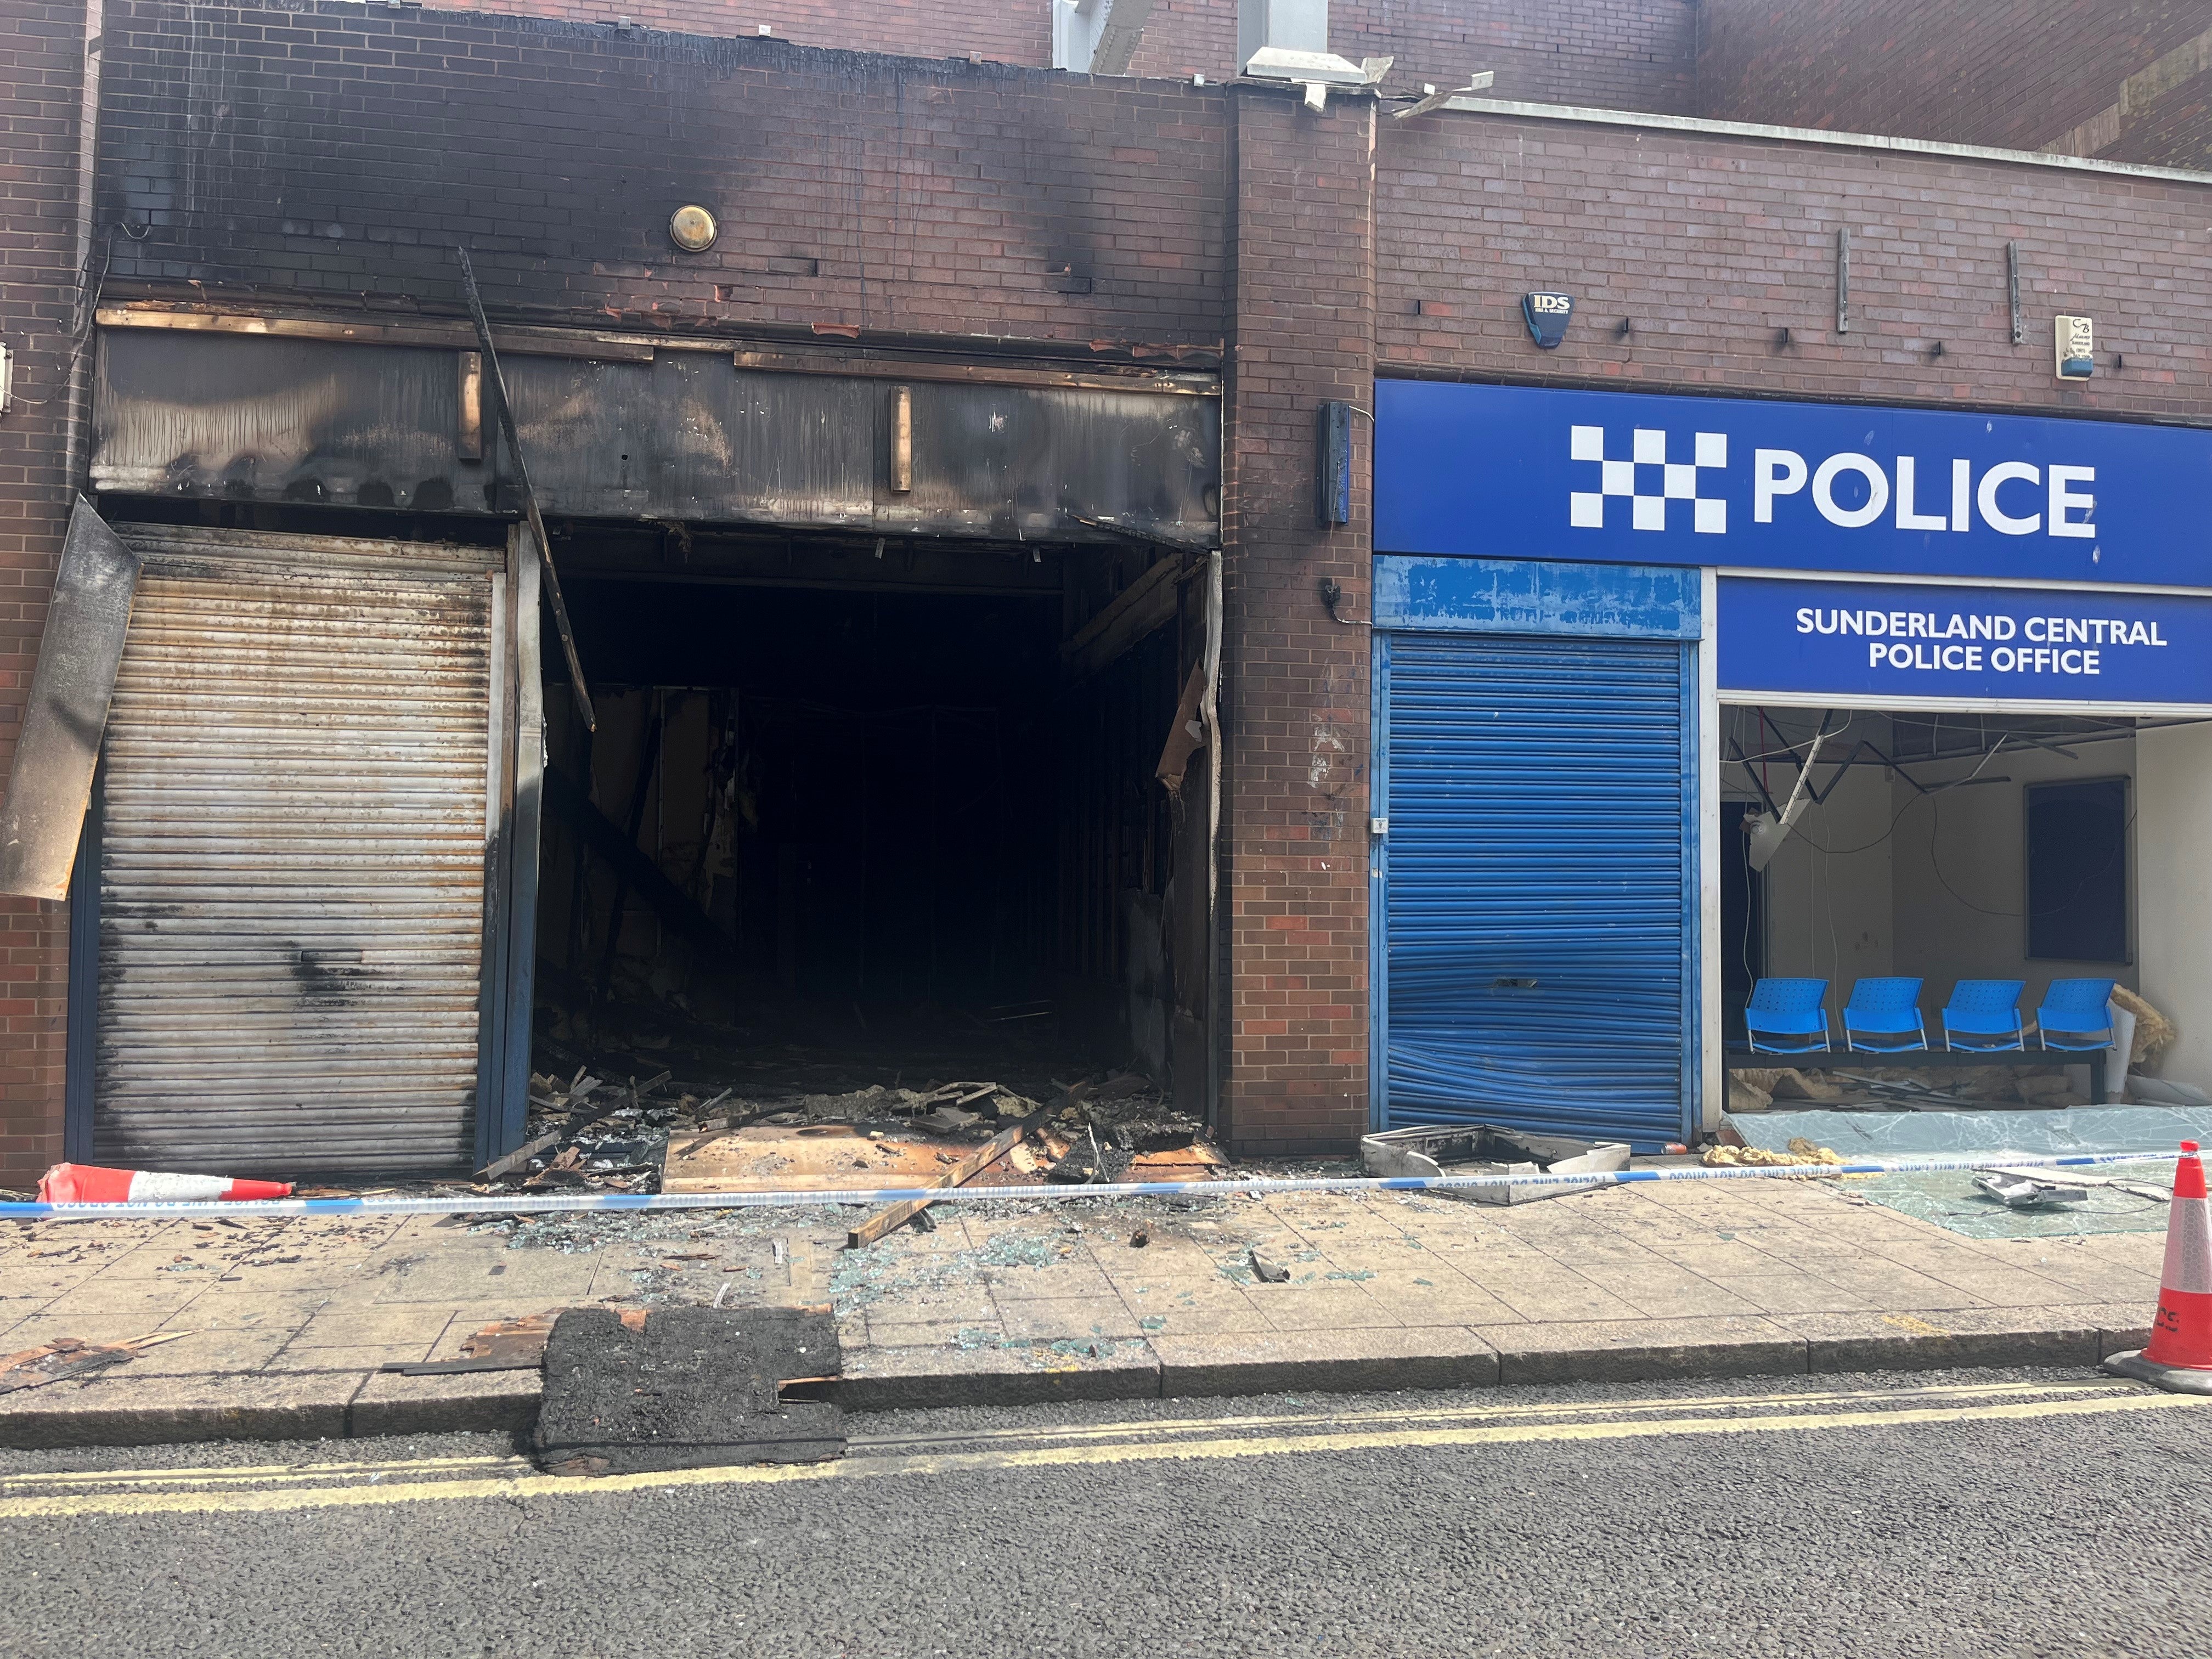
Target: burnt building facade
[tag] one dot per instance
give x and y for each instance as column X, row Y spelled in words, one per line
column 960, row 476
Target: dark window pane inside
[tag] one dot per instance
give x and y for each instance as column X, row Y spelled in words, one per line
column 2077, row 871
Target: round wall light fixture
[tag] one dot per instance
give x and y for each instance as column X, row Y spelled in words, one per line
column 693, row 228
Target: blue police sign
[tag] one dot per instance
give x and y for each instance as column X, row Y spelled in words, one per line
column 1886, row 641
column 1623, row 477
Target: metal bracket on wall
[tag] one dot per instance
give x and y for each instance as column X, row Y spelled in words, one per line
column 576, row 686
column 1844, row 280
column 2012, row 287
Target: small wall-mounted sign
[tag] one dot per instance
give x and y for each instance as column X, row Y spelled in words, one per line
column 2077, row 349
column 1547, row 316
column 1332, row 464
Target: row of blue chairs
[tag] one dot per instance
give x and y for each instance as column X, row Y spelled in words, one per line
column 1790, row 1016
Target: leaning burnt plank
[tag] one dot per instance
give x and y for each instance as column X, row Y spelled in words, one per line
column 606, row 838
column 505, row 1345
column 905, row 1210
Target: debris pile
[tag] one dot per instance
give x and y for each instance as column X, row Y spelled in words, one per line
column 1802, row 1151
column 582, row 1137
column 1755, row 1090
column 2021, row 1191
column 1104, row 1127
column 72, row 1357
column 2154, row 1032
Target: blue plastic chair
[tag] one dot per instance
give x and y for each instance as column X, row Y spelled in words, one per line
column 1983, row 1015
column 1791, row 1009
column 2079, row 1011
column 1888, row 1010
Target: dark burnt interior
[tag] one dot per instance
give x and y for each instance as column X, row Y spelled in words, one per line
column 914, row 843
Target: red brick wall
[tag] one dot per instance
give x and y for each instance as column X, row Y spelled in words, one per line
column 1005, row 31
column 1183, row 38
column 1610, row 54
column 41, row 63
column 1710, row 246
column 339, row 152
column 2172, row 129
column 1295, row 887
column 1618, row 54
column 2013, row 73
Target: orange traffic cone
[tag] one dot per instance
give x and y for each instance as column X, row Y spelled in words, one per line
column 87, row 1183
column 2180, row 1354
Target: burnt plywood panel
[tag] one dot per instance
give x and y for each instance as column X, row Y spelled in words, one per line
column 685, row 436
column 1019, row 464
column 50, row 785
column 690, row 437
column 292, row 861
column 276, row 420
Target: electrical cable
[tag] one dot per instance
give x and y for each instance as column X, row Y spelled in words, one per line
column 1931, row 792
column 1936, row 863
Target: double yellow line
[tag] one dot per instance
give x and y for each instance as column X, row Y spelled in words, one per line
column 271, row 1488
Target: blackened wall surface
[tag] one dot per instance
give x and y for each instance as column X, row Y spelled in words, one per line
column 341, row 150
column 41, row 64
column 1709, row 246
column 2018, row 74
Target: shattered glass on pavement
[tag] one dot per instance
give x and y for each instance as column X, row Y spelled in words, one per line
column 1949, row 1198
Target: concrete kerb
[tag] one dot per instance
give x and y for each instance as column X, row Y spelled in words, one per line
column 122, row 1410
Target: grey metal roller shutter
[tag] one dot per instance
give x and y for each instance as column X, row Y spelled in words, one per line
column 292, row 857
column 1536, row 885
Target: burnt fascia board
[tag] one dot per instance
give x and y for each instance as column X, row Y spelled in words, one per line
column 686, row 437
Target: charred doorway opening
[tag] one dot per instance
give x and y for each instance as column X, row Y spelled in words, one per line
column 863, row 811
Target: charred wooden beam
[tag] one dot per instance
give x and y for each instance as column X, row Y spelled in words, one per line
column 577, row 688
column 603, row 836
column 1146, row 603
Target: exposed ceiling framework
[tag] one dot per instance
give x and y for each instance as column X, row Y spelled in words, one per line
column 1780, row 735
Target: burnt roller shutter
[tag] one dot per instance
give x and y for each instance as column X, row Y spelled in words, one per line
column 1536, row 887
column 292, row 844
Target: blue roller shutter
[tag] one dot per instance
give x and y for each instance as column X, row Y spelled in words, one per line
column 1536, row 884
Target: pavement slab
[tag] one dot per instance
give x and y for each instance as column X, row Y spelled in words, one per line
column 291, row 1320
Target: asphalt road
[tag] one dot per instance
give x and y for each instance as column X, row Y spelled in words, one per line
column 1979, row 1514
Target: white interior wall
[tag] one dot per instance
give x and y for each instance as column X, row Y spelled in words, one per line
column 1829, row 913
column 2174, row 810
column 1959, row 873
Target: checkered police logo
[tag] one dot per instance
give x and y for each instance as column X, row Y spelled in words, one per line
column 1670, row 481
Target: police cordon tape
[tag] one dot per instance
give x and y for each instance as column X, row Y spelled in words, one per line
column 539, row 1204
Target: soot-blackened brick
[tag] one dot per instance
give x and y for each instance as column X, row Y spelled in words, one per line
column 341, row 151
